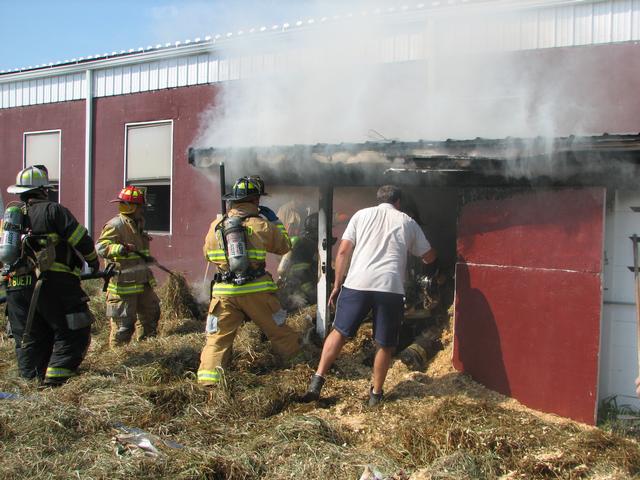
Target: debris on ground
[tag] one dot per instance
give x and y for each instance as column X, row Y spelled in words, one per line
column 434, row 424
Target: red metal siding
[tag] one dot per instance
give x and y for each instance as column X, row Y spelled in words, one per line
column 594, row 88
column 196, row 199
column 67, row 117
column 528, row 298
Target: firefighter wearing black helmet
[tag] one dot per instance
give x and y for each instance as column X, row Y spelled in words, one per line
column 47, row 308
column 242, row 289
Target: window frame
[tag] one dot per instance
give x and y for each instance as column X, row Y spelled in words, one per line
column 58, row 183
column 143, row 183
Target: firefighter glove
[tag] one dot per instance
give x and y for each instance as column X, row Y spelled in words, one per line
column 129, row 247
column 94, row 265
column 267, row 213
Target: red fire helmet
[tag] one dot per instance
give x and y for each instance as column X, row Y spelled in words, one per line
column 131, row 194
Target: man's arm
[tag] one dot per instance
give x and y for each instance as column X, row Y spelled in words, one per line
column 430, row 256
column 343, row 259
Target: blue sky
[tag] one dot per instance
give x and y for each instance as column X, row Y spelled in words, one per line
column 36, row 32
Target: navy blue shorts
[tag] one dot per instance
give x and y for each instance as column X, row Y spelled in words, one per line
column 353, row 306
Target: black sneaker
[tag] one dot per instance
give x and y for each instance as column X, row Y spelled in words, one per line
column 313, row 390
column 374, row 398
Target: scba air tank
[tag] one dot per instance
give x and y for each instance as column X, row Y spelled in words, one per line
column 235, row 238
column 11, row 230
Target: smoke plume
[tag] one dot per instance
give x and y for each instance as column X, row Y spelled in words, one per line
column 385, row 73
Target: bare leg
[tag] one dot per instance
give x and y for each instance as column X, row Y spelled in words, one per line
column 381, row 367
column 330, row 350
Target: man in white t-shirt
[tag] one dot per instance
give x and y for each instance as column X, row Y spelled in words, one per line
column 374, row 247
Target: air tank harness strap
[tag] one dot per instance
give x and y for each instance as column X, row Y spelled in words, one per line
column 235, row 279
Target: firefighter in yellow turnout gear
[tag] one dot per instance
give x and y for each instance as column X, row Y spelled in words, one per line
column 130, row 294
column 242, row 287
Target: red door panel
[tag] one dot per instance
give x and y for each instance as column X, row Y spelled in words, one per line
column 528, row 297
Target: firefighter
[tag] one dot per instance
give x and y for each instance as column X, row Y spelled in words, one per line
column 238, row 244
column 298, row 269
column 291, row 215
column 130, row 295
column 47, row 308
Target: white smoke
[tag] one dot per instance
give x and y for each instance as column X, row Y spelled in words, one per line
column 345, row 81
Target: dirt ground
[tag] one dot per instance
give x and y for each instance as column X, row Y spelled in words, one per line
column 138, row 413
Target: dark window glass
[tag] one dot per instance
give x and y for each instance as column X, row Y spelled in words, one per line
column 158, row 215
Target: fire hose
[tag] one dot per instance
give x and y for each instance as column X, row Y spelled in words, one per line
column 153, row 261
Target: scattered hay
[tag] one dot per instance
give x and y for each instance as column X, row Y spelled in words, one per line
column 436, row 424
column 181, row 312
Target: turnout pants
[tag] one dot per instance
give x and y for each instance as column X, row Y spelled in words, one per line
column 138, row 313
column 226, row 315
column 54, row 351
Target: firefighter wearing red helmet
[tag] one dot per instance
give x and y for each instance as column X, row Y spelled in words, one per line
column 238, row 244
column 130, row 295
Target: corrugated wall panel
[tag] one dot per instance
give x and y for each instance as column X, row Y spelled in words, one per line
column 12, row 95
column 108, row 85
column 621, row 21
column 564, row 26
column 39, row 91
column 192, row 71
column 33, row 93
column 203, row 68
column 46, row 86
column 401, row 48
column 234, row 68
column 4, row 101
column 117, row 81
column 635, row 20
column 183, row 66
column 529, row 30
column 135, row 79
column 547, row 28
column 602, row 22
column 213, row 69
column 172, row 73
column 416, row 46
column 583, row 29
column 126, row 80
column 223, row 69
column 99, row 83
column 148, row 76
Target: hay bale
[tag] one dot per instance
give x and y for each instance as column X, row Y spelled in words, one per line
column 181, row 313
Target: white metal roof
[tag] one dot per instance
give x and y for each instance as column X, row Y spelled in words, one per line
column 512, row 25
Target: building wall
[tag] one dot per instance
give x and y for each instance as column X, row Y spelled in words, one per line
column 195, row 198
column 67, row 117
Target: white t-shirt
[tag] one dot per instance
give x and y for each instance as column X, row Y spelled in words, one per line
column 382, row 237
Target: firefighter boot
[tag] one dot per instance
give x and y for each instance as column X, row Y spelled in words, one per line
column 313, row 390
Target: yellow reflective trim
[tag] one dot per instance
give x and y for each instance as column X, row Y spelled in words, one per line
column 115, row 249
column 77, row 235
column 61, row 267
column 300, row 266
column 256, row 287
column 209, row 375
column 125, row 290
column 92, row 256
column 53, row 372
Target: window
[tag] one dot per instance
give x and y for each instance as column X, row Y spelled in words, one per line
column 43, row 148
column 148, row 164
